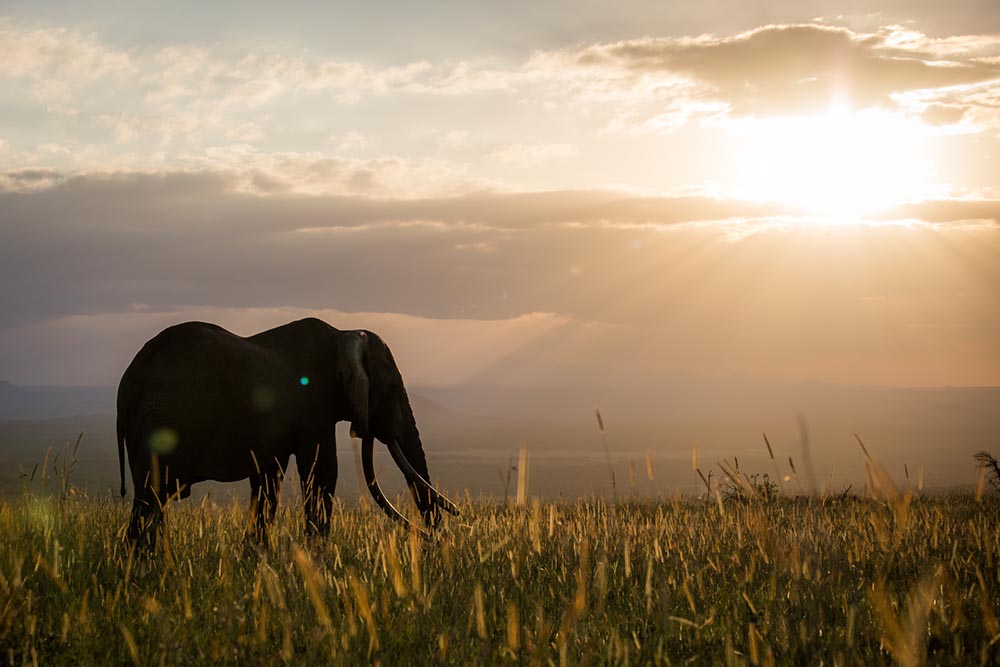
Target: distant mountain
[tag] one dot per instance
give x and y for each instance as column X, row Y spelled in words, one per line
column 707, row 399
column 907, row 429
column 25, row 402
column 50, row 419
column 471, row 434
column 66, row 408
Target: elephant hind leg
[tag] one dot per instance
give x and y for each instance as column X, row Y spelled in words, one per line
column 146, row 521
column 265, row 490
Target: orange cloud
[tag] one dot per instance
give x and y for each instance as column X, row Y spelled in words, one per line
column 784, row 69
column 514, row 287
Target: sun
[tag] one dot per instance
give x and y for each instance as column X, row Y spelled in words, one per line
column 841, row 164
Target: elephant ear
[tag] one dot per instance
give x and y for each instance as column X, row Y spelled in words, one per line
column 356, row 381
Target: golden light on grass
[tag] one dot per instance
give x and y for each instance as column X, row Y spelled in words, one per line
column 845, row 579
column 480, row 612
column 513, row 629
column 905, row 630
column 313, row 583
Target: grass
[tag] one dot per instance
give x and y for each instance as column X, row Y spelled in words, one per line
column 787, row 581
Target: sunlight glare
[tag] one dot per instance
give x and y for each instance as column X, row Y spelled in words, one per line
column 839, row 165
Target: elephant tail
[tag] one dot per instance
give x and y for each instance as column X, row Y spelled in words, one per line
column 120, row 427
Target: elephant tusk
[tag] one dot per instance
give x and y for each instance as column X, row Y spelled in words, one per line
column 367, row 445
column 404, row 464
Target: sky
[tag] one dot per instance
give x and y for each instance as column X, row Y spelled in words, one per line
column 510, row 193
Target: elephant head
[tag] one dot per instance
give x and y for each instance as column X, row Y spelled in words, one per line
column 381, row 409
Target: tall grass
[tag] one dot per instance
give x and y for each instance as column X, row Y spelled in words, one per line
column 791, row 581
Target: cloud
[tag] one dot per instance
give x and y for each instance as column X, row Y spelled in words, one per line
column 57, row 53
column 102, row 344
column 785, row 69
column 320, row 174
column 196, row 70
column 516, row 154
column 529, row 155
column 99, row 243
column 554, row 279
column 26, row 180
column 251, row 170
column 181, row 104
column 260, row 77
column 351, row 141
column 943, row 114
column 185, row 96
column 957, row 47
column 961, row 109
column 947, row 211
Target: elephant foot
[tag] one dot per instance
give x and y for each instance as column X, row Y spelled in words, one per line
column 253, row 547
column 432, row 518
column 257, row 537
column 143, row 533
column 317, row 529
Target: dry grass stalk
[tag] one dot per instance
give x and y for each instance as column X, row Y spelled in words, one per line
column 522, row 476
column 782, row 583
column 607, row 452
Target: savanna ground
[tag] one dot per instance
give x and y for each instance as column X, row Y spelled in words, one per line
column 784, row 581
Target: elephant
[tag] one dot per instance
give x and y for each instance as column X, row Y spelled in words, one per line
column 200, row 403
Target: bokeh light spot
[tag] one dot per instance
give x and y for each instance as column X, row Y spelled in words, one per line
column 304, row 381
column 163, row 440
column 263, row 398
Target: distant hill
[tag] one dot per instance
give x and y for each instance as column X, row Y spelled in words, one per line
column 21, row 402
column 472, row 434
column 37, row 420
column 937, row 429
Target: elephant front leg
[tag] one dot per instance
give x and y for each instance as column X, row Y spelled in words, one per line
column 317, row 466
column 146, row 520
column 145, row 523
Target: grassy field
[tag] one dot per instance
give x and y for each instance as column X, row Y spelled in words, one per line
column 787, row 581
